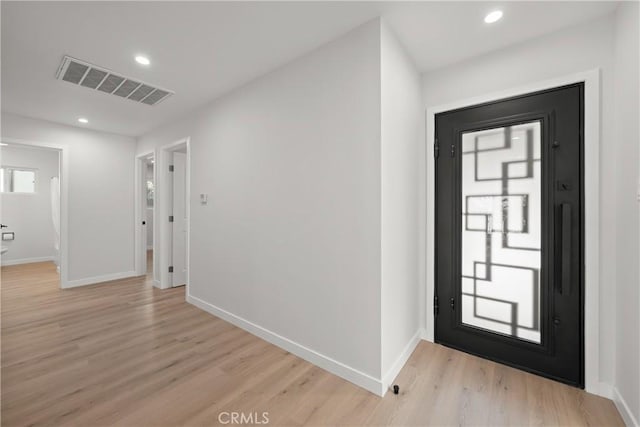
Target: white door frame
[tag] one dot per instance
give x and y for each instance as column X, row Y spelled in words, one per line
column 591, row 81
column 140, row 238
column 161, row 245
column 64, row 200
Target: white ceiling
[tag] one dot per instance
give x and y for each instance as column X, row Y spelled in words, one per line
column 203, row 50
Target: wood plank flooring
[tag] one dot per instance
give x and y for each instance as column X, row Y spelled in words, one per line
column 124, row 353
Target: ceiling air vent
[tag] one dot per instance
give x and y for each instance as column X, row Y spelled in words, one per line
column 93, row 77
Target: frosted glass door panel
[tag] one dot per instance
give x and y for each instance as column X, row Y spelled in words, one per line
column 501, row 230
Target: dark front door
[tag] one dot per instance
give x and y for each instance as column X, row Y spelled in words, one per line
column 509, row 232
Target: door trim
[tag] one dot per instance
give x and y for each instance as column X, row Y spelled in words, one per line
column 63, row 169
column 591, row 80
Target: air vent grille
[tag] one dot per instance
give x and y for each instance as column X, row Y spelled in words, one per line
column 126, row 88
column 74, row 72
column 93, row 77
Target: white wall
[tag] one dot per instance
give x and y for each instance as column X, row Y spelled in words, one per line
column 567, row 52
column 29, row 215
column 627, row 139
column 100, row 195
column 402, row 139
column 289, row 243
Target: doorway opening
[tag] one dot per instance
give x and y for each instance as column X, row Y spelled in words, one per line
column 149, row 191
column 145, row 189
column 30, row 217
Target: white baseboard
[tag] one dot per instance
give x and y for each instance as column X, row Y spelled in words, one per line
column 624, row 410
column 156, row 283
column 600, row 389
column 343, row 371
column 397, row 366
column 26, row 260
column 98, row 279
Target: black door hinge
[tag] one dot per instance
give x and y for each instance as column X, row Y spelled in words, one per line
column 170, row 168
column 170, row 218
column 436, row 149
column 453, row 150
column 171, row 269
column 452, row 302
column 436, row 307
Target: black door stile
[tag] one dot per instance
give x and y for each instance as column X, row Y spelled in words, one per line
column 543, row 332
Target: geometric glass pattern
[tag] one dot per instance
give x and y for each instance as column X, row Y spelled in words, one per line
column 501, row 230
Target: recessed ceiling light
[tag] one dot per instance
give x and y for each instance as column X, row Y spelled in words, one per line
column 2, row 144
column 83, row 120
column 142, row 60
column 493, row 17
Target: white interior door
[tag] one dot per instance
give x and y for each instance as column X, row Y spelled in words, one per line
column 179, row 233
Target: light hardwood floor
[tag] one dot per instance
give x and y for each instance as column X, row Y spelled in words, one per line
column 127, row 354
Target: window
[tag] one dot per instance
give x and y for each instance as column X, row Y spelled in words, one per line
column 17, row 180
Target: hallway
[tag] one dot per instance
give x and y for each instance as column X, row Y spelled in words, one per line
column 128, row 354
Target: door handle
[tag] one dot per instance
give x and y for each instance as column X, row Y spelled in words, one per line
column 565, row 247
